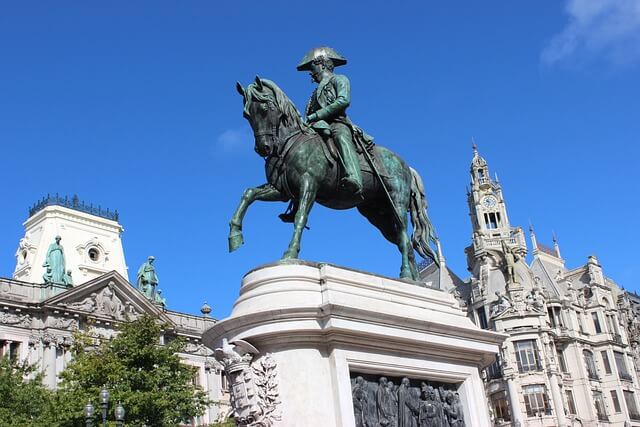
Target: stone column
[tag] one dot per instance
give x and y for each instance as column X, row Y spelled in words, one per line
column 514, row 403
column 210, row 373
column 49, row 362
column 556, row 396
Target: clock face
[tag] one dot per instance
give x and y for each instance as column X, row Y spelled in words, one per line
column 489, row 202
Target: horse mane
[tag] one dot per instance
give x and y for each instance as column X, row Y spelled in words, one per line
column 281, row 100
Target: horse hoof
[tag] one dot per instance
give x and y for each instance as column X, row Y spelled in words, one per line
column 235, row 241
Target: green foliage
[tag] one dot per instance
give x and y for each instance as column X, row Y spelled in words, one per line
column 227, row 423
column 23, row 402
column 150, row 380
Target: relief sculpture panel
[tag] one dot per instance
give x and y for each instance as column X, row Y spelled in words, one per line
column 383, row 401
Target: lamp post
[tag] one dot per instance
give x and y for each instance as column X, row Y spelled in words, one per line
column 104, row 402
column 119, row 412
column 89, row 410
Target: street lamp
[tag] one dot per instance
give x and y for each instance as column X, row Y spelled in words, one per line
column 104, row 399
column 89, row 410
column 119, row 415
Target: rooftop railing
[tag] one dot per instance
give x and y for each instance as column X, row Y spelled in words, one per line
column 72, row 203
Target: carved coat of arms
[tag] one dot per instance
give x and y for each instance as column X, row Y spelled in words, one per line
column 253, row 383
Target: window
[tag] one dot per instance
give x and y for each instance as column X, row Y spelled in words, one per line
column 622, row 367
column 571, row 404
column 555, row 317
column 526, row 355
column 494, row 370
column 616, row 402
column 630, row 400
column 613, row 328
column 580, row 324
column 598, row 401
column 561, row 363
column 596, row 322
column 605, row 361
column 492, row 219
column 482, row 318
column 14, row 350
column 94, row 254
column 552, row 318
column 536, row 401
column 500, row 406
column 591, row 365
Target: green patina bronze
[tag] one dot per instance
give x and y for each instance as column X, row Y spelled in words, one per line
column 329, row 160
column 54, row 263
column 147, row 279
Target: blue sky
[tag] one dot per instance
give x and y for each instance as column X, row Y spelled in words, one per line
column 132, row 105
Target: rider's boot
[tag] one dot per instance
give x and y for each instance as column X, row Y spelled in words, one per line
column 352, row 181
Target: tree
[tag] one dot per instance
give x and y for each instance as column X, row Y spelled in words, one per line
column 23, row 401
column 150, row 380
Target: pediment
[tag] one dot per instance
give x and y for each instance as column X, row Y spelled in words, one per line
column 109, row 296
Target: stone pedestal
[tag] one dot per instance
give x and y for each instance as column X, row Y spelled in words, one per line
column 313, row 328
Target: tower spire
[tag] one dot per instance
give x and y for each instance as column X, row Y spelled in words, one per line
column 556, row 246
column 534, row 241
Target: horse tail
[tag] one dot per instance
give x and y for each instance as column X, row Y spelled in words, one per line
column 423, row 232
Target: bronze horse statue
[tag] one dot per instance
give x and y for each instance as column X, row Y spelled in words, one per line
column 300, row 169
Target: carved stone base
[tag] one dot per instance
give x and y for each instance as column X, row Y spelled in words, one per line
column 324, row 325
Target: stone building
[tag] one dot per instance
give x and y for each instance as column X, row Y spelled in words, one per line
column 38, row 315
column 572, row 353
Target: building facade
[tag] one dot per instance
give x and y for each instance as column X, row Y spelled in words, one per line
column 572, row 353
column 40, row 314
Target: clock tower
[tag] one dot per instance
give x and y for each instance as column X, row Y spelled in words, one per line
column 489, row 217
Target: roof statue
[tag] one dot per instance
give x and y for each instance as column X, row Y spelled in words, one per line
column 54, row 264
column 323, row 157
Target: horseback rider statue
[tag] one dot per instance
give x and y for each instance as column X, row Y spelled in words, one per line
column 326, row 111
column 301, row 155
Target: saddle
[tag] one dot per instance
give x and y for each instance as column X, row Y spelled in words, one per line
column 361, row 141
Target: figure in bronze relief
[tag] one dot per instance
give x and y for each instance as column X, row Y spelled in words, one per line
column 377, row 402
column 407, row 405
column 359, row 395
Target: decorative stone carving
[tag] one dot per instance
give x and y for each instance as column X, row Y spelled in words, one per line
column 502, row 305
column 62, row 323
column 509, row 263
column 88, row 304
column 253, row 383
column 197, row 348
column 458, row 296
column 414, row 403
column 535, row 301
column 107, row 303
column 23, row 320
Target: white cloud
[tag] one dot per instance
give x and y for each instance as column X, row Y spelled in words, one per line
column 232, row 139
column 597, row 28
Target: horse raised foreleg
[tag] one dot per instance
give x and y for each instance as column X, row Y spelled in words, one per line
column 265, row 192
column 307, row 198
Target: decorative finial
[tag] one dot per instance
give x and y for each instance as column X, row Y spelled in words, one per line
column 205, row 309
column 474, row 146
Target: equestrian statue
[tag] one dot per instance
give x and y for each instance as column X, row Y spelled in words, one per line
column 325, row 158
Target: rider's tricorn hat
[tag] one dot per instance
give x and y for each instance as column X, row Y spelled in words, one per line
column 316, row 52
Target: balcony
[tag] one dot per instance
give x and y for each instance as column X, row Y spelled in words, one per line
column 625, row 376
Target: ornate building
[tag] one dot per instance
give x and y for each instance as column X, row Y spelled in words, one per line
column 572, row 353
column 40, row 313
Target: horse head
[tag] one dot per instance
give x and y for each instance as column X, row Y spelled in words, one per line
column 263, row 114
column 269, row 113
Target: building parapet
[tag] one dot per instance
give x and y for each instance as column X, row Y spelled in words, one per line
column 73, row 203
